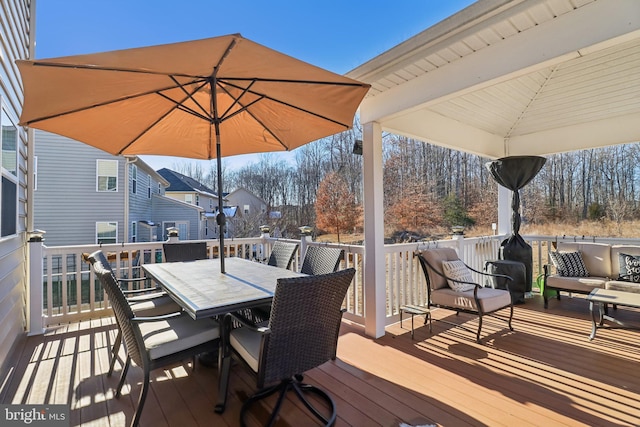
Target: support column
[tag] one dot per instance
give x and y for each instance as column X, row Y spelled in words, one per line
column 35, row 325
column 374, row 257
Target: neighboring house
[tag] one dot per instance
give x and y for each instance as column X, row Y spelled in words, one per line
column 16, row 20
column 247, row 202
column 251, row 212
column 102, row 198
column 189, row 190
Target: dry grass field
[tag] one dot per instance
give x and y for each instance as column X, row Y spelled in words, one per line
column 605, row 228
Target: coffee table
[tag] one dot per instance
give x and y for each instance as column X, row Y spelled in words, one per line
column 602, row 298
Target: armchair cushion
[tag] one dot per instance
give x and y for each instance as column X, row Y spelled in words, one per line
column 457, row 270
column 569, row 264
column 490, row 299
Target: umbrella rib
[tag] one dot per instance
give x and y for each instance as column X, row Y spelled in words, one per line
column 314, row 82
column 236, row 100
column 102, row 68
column 104, row 103
column 133, row 140
column 263, row 96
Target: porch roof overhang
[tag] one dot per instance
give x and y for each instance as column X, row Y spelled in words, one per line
column 514, row 77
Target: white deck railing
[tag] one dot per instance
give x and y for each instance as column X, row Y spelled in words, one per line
column 71, row 293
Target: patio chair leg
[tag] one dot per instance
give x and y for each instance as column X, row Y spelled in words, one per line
column 141, row 400
column 479, row 328
column 511, row 317
column 123, row 376
column 114, row 352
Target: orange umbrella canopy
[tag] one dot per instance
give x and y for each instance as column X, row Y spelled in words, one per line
column 182, row 99
column 201, row 99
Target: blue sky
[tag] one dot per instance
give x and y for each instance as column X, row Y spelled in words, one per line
column 338, row 35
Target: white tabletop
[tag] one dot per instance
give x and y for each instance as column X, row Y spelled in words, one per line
column 200, row 288
column 611, row 296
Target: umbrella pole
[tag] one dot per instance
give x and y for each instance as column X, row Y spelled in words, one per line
column 221, row 217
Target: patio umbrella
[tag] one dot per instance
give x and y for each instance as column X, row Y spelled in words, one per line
column 199, row 99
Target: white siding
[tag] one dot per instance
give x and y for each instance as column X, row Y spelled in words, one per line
column 14, row 44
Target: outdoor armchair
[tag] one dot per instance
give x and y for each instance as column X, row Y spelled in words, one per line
column 155, row 341
column 302, row 333
column 142, row 303
column 456, row 289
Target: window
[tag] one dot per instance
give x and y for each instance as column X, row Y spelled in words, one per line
column 159, row 188
column 210, row 204
column 149, row 189
column 106, row 232
column 134, row 231
column 197, row 200
column 188, row 198
column 107, row 175
column 246, row 209
column 134, row 179
column 9, row 185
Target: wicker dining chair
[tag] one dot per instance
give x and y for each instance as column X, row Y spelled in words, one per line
column 156, row 341
column 144, row 302
column 184, row 251
column 302, row 334
column 321, row 260
column 282, row 254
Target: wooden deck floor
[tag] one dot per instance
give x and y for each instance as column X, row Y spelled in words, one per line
column 546, row 373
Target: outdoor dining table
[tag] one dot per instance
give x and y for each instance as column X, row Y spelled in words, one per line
column 203, row 291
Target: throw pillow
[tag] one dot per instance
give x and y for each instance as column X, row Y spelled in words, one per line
column 457, row 270
column 629, row 268
column 569, row 264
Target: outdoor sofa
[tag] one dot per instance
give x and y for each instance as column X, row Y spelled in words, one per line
column 580, row 267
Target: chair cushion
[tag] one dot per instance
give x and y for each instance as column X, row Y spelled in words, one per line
column 596, row 256
column 247, row 343
column 149, row 307
column 162, row 338
column 629, row 268
column 578, row 284
column 457, row 270
column 490, row 299
column 569, row 264
column 435, row 257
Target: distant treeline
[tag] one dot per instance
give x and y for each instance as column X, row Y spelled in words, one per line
column 427, row 186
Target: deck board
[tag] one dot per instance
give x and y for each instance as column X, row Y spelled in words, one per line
column 546, row 372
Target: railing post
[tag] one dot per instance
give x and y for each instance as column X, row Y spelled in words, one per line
column 35, row 325
column 173, row 234
column 264, row 235
column 305, row 239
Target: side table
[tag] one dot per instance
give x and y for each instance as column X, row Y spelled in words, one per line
column 413, row 310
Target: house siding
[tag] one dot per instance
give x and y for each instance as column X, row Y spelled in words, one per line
column 71, row 219
column 15, row 43
column 168, row 209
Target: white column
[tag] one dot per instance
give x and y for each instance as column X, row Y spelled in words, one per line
column 35, row 320
column 504, row 210
column 374, row 258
